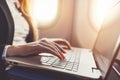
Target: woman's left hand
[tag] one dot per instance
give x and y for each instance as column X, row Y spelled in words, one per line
column 61, row 42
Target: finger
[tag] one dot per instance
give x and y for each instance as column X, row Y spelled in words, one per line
column 49, row 47
column 64, row 42
column 53, row 44
column 51, row 51
column 59, row 41
column 59, row 47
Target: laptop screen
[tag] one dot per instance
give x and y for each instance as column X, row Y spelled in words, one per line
column 106, row 40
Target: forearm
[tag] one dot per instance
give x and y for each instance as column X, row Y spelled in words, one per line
column 23, row 50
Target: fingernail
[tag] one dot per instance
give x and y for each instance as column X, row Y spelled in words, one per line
column 64, row 51
column 62, row 56
column 70, row 48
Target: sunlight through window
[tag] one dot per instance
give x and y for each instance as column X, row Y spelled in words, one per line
column 99, row 10
column 45, row 11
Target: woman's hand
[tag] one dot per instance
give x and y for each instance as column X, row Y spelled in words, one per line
column 61, row 42
column 54, row 46
column 51, row 46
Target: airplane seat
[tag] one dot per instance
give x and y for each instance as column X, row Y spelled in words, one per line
column 6, row 23
column 6, row 34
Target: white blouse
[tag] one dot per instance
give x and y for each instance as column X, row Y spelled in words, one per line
column 21, row 25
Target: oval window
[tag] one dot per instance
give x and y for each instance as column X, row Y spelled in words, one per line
column 45, row 11
column 99, row 9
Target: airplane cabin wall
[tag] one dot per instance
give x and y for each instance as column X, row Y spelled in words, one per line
column 74, row 24
column 84, row 34
column 85, row 25
column 63, row 25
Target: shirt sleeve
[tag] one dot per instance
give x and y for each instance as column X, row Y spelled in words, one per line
column 5, row 51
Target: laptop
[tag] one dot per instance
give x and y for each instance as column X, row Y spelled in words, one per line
column 80, row 62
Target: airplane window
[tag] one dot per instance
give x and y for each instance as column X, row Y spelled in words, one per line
column 44, row 11
column 99, row 9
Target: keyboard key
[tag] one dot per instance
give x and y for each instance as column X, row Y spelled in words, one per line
column 52, row 60
column 69, row 66
column 75, row 67
column 60, row 64
column 45, row 59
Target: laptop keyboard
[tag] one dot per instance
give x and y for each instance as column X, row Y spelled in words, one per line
column 71, row 62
